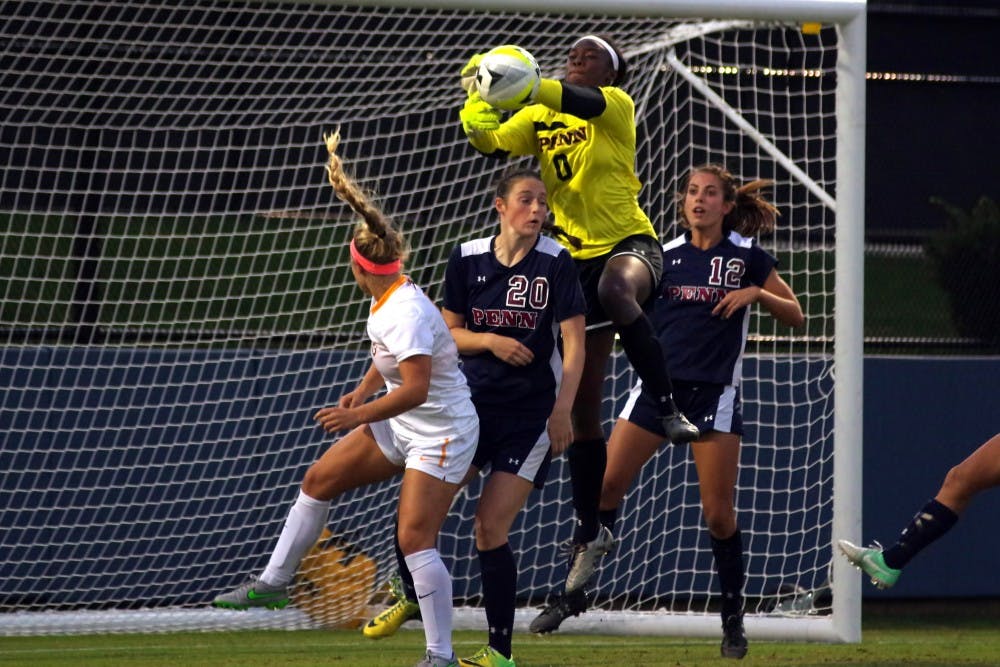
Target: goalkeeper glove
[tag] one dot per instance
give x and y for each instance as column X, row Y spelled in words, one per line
column 469, row 72
column 477, row 115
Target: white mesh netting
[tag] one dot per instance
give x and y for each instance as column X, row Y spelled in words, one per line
column 176, row 300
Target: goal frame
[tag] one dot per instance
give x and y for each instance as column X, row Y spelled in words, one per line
column 844, row 624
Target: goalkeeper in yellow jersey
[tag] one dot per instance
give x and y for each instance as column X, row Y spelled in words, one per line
column 582, row 131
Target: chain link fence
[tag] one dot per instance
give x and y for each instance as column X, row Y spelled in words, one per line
column 910, row 308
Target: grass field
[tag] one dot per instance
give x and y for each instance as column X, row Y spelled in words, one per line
column 894, row 633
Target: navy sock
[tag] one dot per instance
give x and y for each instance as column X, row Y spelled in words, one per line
column 646, row 356
column 499, row 574
column 728, row 555
column 587, row 460
column 930, row 523
column 404, row 571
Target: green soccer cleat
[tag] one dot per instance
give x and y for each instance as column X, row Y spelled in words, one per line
column 488, row 657
column 431, row 660
column 387, row 623
column 396, row 588
column 254, row 593
column 870, row 561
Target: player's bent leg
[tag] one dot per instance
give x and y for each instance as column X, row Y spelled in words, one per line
column 355, row 460
column 978, row 472
column 869, row 560
column 253, row 593
column 625, row 284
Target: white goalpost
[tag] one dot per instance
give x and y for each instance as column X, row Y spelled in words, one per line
column 175, row 300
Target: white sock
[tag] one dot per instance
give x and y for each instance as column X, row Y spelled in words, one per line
column 302, row 528
column 432, row 582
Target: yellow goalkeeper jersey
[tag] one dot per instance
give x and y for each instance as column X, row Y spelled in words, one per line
column 588, row 167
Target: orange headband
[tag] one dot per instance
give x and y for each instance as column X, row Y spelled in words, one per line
column 372, row 267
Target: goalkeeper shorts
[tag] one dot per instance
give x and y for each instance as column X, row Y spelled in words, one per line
column 642, row 246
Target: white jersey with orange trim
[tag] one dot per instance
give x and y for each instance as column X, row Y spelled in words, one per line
column 402, row 324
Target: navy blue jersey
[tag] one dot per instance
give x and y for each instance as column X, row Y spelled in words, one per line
column 699, row 346
column 527, row 302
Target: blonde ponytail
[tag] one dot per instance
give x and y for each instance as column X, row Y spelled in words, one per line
column 375, row 237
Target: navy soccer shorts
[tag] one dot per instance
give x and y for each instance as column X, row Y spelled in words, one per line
column 710, row 407
column 514, row 443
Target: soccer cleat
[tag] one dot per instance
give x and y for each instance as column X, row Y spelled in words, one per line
column 585, row 557
column 431, row 660
column 387, row 623
column 569, row 604
column 254, row 593
column 870, row 561
column 396, row 588
column 488, row 657
column 734, row 639
column 679, row 430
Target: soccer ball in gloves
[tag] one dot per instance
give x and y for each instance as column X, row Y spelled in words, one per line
column 508, row 77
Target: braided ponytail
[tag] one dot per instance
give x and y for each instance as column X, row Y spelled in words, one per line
column 375, row 237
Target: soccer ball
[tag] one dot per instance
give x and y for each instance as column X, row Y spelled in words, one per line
column 508, row 77
column 334, row 583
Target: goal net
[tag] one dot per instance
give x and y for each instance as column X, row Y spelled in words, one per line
column 176, row 303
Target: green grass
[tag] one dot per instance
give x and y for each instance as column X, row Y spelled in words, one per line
column 893, row 634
